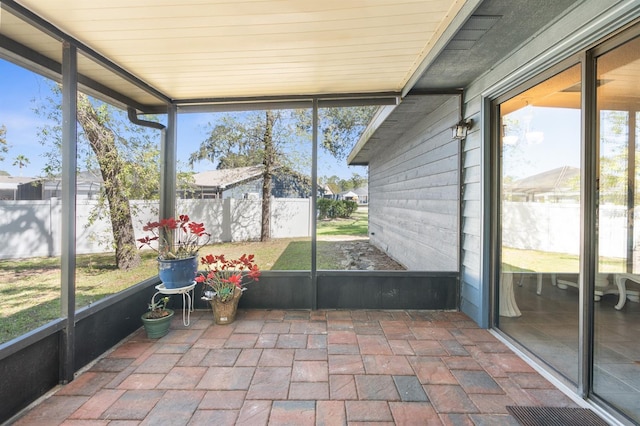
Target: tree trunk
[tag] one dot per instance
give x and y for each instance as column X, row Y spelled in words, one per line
column 102, row 141
column 267, row 176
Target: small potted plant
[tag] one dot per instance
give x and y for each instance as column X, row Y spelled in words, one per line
column 157, row 321
column 224, row 282
column 177, row 242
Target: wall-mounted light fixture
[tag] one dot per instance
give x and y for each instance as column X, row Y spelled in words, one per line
column 459, row 131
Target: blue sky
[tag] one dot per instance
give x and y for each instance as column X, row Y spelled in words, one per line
column 557, row 143
column 21, row 90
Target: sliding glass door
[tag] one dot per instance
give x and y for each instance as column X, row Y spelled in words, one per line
column 540, row 219
column 616, row 369
column 568, row 151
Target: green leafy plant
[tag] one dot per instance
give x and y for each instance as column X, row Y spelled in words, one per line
column 157, row 309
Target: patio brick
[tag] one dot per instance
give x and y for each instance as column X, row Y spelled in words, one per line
column 254, row 413
column 248, row 358
column 111, row 365
column 401, row 347
column 376, row 387
column 182, row 378
column 220, row 358
column 428, row 348
column 342, row 387
column 450, row 399
column 342, row 337
column 309, row 390
column 477, row 382
column 176, row 407
column 310, row 371
column 87, row 384
column 311, row 355
column 97, row 404
column 214, row 417
column 330, row 413
column 158, row 363
column 133, row 405
column 406, row 413
column 276, row 358
column 222, row 400
column 266, row 341
column 291, row 341
column 386, row 364
column 368, row 411
column 410, row 389
column 192, row 357
column 270, row 383
column 362, row 367
column 495, row 404
column 276, row 327
column 241, row 341
column 141, row 381
column 248, row 326
column 226, row 378
column 346, row 364
column 431, row 370
column 374, row 345
column 315, row 341
column 131, row 349
column 293, row 413
column 52, row 410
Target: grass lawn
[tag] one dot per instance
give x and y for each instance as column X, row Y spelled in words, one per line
column 540, row 261
column 30, row 288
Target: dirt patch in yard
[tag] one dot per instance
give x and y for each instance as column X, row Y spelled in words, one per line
column 360, row 255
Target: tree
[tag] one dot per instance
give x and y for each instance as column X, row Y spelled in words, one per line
column 21, row 161
column 103, row 143
column 248, row 140
column 270, row 138
column 4, row 147
column 123, row 153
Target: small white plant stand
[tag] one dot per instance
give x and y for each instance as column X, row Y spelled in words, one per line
column 187, row 299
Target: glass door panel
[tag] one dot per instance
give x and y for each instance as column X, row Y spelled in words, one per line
column 616, row 370
column 540, row 219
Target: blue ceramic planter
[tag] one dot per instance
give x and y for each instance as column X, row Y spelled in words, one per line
column 178, row 273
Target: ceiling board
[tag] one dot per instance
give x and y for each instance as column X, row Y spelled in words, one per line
column 251, row 48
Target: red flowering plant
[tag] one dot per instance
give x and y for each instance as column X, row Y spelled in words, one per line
column 175, row 238
column 224, row 275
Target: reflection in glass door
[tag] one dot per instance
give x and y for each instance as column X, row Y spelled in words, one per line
column 616, row 370
column 540, row 219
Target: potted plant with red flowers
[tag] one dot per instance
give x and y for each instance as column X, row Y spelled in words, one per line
column 177, row 242
column 224, row 282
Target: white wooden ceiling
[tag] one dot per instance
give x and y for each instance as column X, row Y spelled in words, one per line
column 190, row 49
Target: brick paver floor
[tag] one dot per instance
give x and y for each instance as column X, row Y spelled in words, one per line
column 304, row 368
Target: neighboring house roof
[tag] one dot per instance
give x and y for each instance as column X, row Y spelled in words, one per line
column 12, row 182
column 363, row 190
column 561, row 179
column 227, row 178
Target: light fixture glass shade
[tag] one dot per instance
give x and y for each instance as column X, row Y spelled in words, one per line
column 460, row 130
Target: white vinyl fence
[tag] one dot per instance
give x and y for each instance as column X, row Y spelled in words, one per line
column 555, row 228
column 32, row 228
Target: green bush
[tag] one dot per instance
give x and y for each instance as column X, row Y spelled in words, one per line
column 324, row 207
column 331, row 209
column 349, row 207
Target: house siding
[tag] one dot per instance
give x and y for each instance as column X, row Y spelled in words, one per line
column 414, row 193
